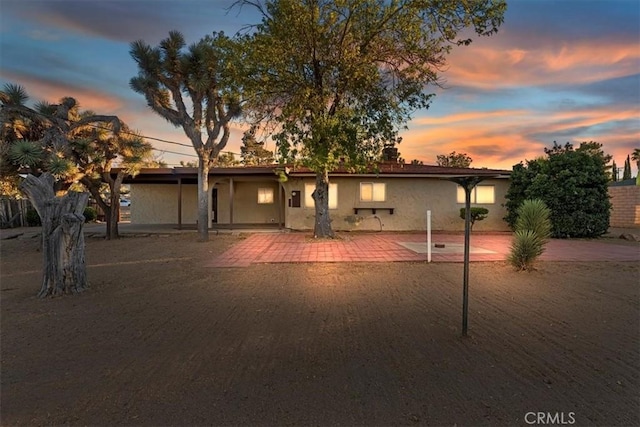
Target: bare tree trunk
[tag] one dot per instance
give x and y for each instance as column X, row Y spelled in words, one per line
column 112, row 209
column 322, row 228
column 113, row 216
column 203, row 199
column 64, row 267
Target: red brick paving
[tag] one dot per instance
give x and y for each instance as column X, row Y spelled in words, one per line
column 300, row 247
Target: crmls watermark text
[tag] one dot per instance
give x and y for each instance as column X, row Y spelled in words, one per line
column 550, row 418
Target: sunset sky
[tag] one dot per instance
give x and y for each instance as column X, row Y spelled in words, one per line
column 566, row 70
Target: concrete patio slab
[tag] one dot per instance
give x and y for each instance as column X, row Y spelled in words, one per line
column 449, row 248
column 401, row 247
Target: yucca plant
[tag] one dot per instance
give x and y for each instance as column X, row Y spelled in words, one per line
column 526, row 247
column 533, row 228
column 534, row 215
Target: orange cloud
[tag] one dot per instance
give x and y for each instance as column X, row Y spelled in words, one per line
column 491, row 66
column 502, row 138
column 42, row 90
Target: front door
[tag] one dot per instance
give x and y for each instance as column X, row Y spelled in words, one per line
column 214, row 205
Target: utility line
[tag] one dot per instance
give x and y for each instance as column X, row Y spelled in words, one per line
column 47, row 116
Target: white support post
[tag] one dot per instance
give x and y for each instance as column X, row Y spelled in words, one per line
column 428, row 236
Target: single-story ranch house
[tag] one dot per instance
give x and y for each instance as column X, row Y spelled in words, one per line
column 395, row 197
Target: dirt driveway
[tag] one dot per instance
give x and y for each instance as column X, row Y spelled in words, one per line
column 162, row 340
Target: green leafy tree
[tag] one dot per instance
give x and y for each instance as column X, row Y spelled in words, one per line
column 573, row 183
column 454, row 160
column 338, row 78
column 193, row 88
column 252, row 151
column 635, row 156
column 626, row 174
column 614, row 171
column 226, row 160
column 188, row 164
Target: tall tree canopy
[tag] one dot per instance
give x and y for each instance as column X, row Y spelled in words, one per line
column 573, row 183
column 626, row 173
column 635, row 156
column 340, row 77
column 194, row 88
column 454, row 160
column 252, row 151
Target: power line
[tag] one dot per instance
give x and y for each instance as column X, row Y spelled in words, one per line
column 141, row 136
column 174, row 152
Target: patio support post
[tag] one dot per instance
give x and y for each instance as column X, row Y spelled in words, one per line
column 279, row 205
column 467, row 236
column 179, row 203
column 468, row 183
column 231, row 202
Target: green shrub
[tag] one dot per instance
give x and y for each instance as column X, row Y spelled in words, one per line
column 90, row 214
column 573, row 183
column 477, row 214
column 533, row 228
column 32, row 217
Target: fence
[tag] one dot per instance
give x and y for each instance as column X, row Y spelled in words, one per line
column 13, row 212
column 626, row 206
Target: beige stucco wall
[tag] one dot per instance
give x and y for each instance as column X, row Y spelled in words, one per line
column 158, row 203
column 246, row 209
column 410, row 198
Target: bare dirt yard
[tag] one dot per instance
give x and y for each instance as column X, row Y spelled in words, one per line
column 161, row 340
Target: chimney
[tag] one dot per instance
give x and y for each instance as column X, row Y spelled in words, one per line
column 390, row 154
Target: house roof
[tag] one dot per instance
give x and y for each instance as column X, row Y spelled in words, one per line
column 405, row 169
column 188, row 175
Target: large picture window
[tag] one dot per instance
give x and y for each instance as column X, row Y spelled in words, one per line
column 481, row 194
column 333, row 195
column 265, row 196
column 373, row 191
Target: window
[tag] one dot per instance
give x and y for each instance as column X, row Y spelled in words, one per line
column 481, row 194
column 373, row 191
column 333, row 195
column 265, row 196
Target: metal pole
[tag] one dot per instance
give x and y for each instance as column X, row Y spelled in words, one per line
column 467, row 228
column 179, row 203
column 428, row 236
column 231, row 203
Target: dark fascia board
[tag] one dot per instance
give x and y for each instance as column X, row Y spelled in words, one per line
column 173, row 174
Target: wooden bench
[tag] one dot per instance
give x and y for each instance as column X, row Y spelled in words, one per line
column 373, row 210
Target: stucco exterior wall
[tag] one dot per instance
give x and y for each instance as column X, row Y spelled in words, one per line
column 158, row 203
column 625, row 201
column 246, row 209
column 409, row 197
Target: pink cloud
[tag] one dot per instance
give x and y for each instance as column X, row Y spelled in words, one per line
column 502, row 138
column 43, row 90
column 491, row 65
